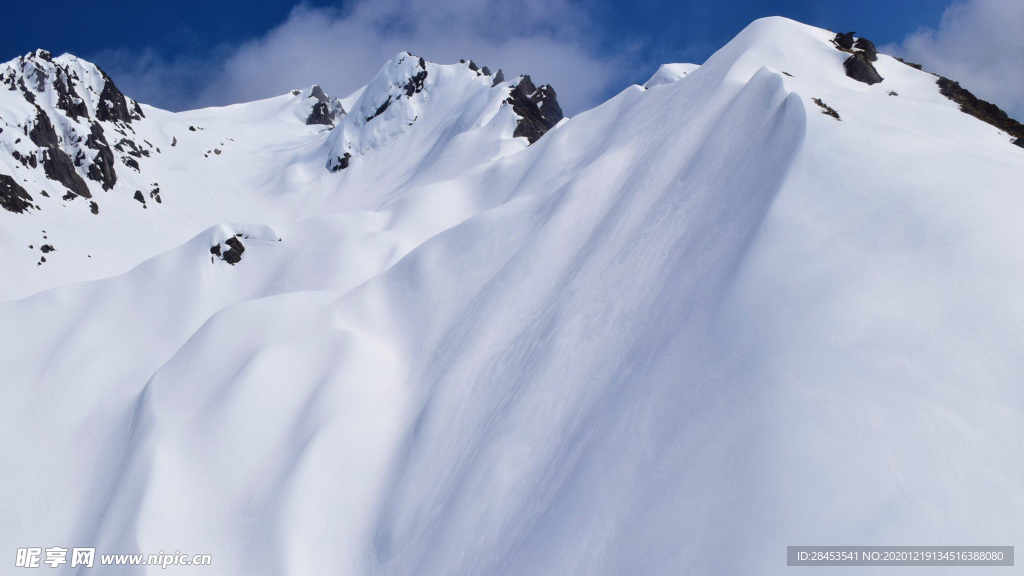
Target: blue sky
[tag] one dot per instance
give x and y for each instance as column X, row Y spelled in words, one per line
column 205, row 52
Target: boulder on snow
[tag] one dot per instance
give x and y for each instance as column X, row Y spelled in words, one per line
column 233, row 255
column 867, row 47
column 860, row 69
column 844, row 40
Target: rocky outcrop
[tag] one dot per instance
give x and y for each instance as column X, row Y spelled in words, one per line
column 826, row 109
column 13, row 197
column 537, row 109
column 58, row 167
column 342, row 162
column 102, row 167
column 113, row 106
column 844, row 40
column 982, row 110
column 326, row 110
column 867, row 48
column 415, row 83
column 863, row 52
column 233, row 254
column 860, row 69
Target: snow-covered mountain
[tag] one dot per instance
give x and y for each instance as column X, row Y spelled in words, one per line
column 434, row 328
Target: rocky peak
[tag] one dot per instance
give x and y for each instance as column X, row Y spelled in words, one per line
column 69, row 110
column 537, row 108
column 326, row 110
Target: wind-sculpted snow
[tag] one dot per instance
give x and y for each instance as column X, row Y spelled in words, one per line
column 681, row 331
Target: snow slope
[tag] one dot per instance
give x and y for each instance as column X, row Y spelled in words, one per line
column 681, row 331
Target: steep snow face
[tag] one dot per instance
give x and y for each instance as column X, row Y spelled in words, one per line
column 668, row 73
column 705, row 317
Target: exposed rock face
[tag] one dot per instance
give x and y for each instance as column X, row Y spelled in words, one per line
column 844, row 40
column 415, row 83
column 326, row 110
column 233, row 255
column 58, row 166
column 102, row 167
column 867, row 47
column 537, row 107
column 113, row 106
column 858, row 66
column 342, row 162
column 13, row 197
column 826, row 109
column 76, row 104
column 42, row 133
column 982, row 110
column 860, row 69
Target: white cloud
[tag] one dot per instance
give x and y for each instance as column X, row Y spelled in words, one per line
column 979, row 43
column 342, row 50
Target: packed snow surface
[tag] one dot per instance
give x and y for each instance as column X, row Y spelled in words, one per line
column 680, row 332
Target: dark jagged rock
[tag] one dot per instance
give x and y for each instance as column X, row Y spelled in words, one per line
column 499, row 77
column 215, row 250
column 486, row 71
column 860, row 69
column 58, row 166
column 94, row 207
column 233, row 255
column 113, row 106
column 319, row 115
column 126, row 146
column 47, row 248
column 42, row 133
column 537, row 109
column 826, row 109
column 980, row 109
column 139, row 197
column 130, row 162
column 867, row 47
column 380, row 109
column 68, row 99
column 342, row 162
column 155, row 195
column 13, row 197
column 911, row 64
column 102, row 168
column 69, row 196
column 844, row 40
column 326, row 110
column 415, row 83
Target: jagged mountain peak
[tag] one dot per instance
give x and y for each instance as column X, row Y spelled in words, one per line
column 76, row 87
column 409, row 89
